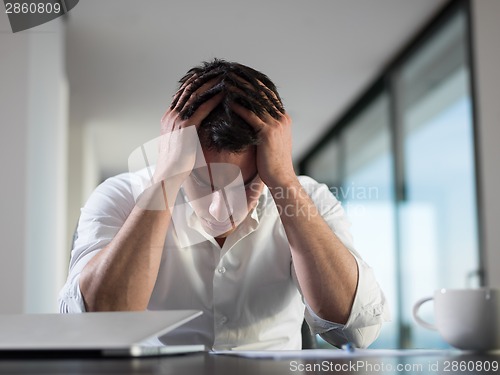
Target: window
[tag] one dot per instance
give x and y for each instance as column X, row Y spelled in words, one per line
column 367, row 193
column 402, row 163
column 438, row 214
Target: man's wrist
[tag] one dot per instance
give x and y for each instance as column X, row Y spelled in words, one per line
column 284, row 182
column 160, row 195
column 286, row 189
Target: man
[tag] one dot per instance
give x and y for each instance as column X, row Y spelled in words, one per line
column 190, row 241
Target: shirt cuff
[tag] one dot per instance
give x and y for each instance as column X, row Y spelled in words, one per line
column 369, row 307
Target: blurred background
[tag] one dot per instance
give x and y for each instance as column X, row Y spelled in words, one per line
column 394, row 106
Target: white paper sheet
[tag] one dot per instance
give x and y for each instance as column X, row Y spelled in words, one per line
column 334, row 353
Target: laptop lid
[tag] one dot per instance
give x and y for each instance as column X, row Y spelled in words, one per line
column 104, row 333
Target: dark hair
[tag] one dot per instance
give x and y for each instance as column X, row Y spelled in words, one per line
column 223, row 129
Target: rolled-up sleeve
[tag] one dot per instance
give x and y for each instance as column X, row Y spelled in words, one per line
column 369, row 310
column 101, row 218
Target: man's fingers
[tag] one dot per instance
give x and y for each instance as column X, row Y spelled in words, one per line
column 204, row 109
column 195, row 88
column 271, row 96
column 207, row 86
column 248, row 116
column 185, row 94
column 180, row 94
column 175, row 119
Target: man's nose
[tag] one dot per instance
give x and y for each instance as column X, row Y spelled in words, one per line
column 219, row 207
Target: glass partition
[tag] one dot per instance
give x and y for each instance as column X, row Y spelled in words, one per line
column 439, row 241
column 367, row 193
column 401, row 161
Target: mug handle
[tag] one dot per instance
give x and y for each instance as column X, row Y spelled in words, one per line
column 418, row 319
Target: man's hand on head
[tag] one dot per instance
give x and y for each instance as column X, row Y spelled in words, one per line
column 274, row 153
column 179, row 145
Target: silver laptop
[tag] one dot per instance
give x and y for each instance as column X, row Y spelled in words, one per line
column 92, row 334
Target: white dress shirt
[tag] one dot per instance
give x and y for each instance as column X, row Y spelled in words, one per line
column 247, row 289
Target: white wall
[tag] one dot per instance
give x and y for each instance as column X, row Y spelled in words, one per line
column 47, row 165
column 14, row 52
column 486, row 48
column 33, row 142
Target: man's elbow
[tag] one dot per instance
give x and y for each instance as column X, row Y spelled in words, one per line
column 358, row 337
column 364, row 337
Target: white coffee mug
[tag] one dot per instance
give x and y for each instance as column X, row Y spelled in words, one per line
column 467, row 319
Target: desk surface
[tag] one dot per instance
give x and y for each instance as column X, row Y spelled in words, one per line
column 205, row 363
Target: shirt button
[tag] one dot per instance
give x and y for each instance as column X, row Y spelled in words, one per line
column 222, row 270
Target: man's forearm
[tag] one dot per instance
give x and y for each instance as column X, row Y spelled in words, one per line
column 326, row 270
column 121, row 276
